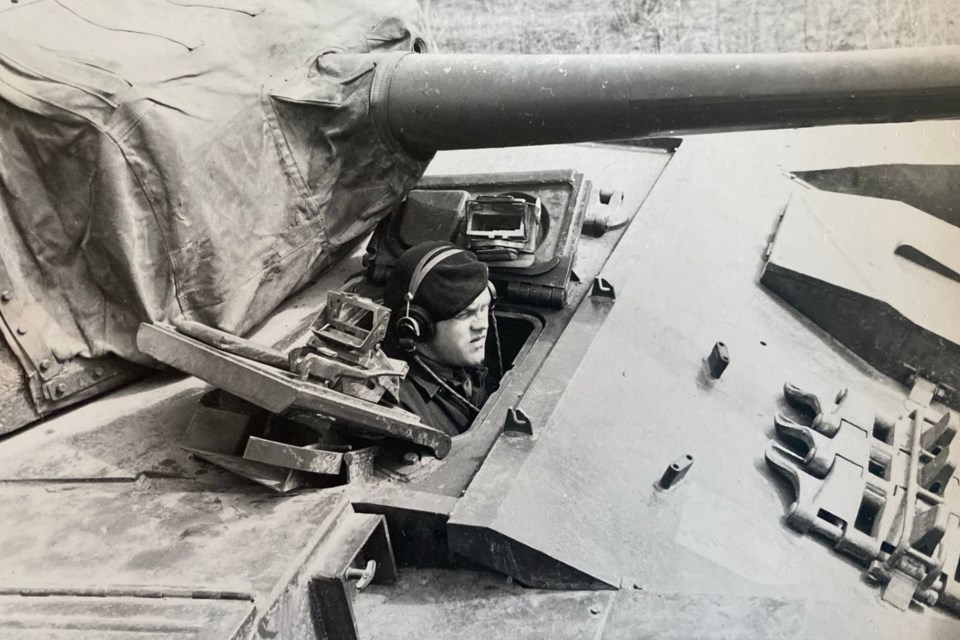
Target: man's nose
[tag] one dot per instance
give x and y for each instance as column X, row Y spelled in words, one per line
column 480, row 322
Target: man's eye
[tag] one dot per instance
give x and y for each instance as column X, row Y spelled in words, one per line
column 463, row 315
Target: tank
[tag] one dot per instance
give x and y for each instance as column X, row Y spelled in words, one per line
column 732, row 344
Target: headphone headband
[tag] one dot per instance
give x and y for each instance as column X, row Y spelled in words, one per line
column 426, row 265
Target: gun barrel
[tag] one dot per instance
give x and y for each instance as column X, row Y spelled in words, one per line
column 431, row 102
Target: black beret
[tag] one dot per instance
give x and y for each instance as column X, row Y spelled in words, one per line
column 446, row 290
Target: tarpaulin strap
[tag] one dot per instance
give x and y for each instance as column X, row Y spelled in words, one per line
column 250, row 7
column 58, row 86
column 144, row 22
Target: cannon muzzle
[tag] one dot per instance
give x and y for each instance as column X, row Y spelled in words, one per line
column 432, row 102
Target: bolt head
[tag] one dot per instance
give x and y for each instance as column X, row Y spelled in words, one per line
column 60, row 389
column 98, row 372
column 596, row 609
column 5, row 296
column 44, row 365
column 411, row 458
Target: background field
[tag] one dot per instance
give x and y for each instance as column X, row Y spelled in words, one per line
column 689, row 26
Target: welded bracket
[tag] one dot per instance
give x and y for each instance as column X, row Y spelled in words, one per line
column 603, row 289
column 718, row 360
column 517, row 423
column 674, row 473
column 357, row 553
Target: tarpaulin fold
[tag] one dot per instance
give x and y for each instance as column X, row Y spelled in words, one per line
column 204, row 160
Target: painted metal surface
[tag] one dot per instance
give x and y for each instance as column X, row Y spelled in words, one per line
column 616, row 395
column 465, row 604
column 563, row 98
column 283, row 393
column 564, row 197
column 581, row 490
column 932, row 188
column 130, row 540
column 875, row 274
column 51, row 617
column 882, row 490
column 130, row 536
column 633, row 171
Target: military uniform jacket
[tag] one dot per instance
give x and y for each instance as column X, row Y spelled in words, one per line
column 423, row 395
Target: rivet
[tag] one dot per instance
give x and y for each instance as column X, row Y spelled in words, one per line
column 6, row 296
column 21, row 331
column 596, row 609
column 44, row 365
column 98, row 372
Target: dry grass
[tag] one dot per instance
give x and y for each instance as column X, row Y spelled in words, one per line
column 690, row 26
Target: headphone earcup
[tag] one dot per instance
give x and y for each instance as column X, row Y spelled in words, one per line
column 413, row 327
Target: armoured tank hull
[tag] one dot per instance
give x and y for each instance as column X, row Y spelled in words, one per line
column 729, row 407
column 561, row 532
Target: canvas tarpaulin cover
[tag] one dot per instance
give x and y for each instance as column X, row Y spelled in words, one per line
column 187, row 158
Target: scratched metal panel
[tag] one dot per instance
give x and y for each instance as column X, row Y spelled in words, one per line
column 686, row 273
column 125, row 534
column 456, row 605
column 112, row 618
column 891, row 295
column 130, row 540
column 933, row 188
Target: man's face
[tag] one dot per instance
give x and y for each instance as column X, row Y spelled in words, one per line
column 461, row 340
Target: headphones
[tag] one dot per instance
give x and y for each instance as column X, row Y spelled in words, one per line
column 416, row 325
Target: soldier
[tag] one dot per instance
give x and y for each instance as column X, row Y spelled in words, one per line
column 440, row 298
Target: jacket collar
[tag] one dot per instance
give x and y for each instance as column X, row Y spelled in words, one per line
column 451, row 375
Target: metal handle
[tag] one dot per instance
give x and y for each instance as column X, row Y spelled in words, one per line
column 362, row 576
